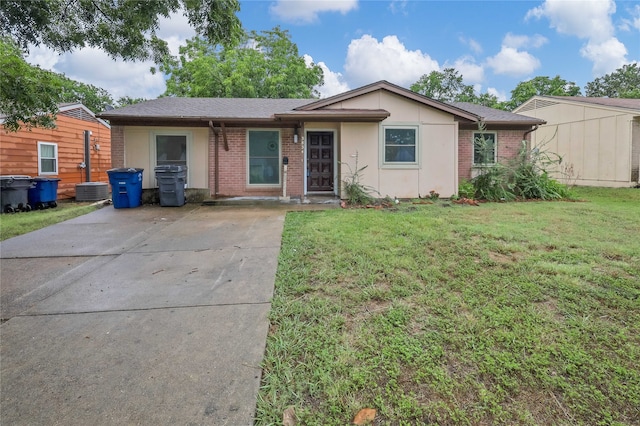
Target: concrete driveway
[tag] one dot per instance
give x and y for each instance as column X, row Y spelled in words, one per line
column 138, row 316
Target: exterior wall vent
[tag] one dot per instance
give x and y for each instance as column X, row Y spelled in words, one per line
column 537, row 104
column 92, row 191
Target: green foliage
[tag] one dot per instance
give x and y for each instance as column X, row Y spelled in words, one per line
column 355, row 193
column 448, row 86
column 263, row 65
column 466, row 189
column 622, row 83
column 445, row 86
column 12, row 225
column 123, row 29
column 29, row 95
column 542, row 86
column 524, row 177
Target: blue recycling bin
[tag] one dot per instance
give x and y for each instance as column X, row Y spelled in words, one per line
column 126, row 187
column 44, row 193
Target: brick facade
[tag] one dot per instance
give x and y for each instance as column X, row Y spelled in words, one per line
column 232, row 176
column 509, row 144
column 117, row 146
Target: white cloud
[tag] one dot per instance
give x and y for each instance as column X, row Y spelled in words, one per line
column 119, row 78
column 333, row 81
column 473, row 44
column 607, row 56
column 524, row 41
column 306, row 11
column 502, row 96
column 513, row 62
column 589, row 19
column 369, row 60
column 398, row 7
column 471, row 72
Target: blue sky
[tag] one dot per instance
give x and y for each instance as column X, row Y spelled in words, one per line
column 493, row 44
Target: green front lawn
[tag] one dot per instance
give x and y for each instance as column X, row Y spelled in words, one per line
column 514, row 313
column 14, row 224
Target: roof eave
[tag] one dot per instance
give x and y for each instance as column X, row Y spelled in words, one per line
column 335, row 115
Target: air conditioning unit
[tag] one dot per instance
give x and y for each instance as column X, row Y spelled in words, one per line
column 92, row 191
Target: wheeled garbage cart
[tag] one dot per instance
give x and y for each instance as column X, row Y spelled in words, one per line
column 44, row 193
column 171, row 182
column 14, row 193
column 126, row 187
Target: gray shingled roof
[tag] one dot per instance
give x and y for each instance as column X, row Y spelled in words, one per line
column 218, row 108
column 492, row 115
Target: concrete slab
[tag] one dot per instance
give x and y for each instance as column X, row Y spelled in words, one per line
column 138, row 316
column 150, row 367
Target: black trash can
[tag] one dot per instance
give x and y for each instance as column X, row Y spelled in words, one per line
column 14, row 193
column 171, row 182
column 126, row 187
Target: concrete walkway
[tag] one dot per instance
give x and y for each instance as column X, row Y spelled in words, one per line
column 138, row 316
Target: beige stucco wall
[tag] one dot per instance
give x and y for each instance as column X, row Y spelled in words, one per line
column 594, row 142
column 437, row 151
column 140, row 152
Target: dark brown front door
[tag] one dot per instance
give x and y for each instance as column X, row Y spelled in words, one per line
column 319, row 161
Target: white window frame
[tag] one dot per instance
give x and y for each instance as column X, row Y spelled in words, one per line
column 40, row 158
column 399, row 164
column 153, row 145
column 473, row 149
column 248, row 159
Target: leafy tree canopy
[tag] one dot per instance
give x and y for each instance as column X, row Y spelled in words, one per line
column 444, row 86
column 28, row 94
column 541, row 86
column 262, row 65
column 123, row 29
column 622, row 83
column 447, row 86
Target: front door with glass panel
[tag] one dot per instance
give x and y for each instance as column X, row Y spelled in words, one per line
column 320, row 161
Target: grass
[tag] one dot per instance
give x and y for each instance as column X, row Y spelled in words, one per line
column 514, row 313
column 14, row 224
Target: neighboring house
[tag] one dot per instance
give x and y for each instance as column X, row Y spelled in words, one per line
column 60, row 152
column 505, row 135
column 598, row 138
column 239, row 147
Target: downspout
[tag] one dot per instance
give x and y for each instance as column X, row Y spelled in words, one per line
column 216, row 174
column 87, row 155
column 524, row 138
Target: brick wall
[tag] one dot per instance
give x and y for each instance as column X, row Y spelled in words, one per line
column 509, row 143
column 233, row 165
column 117, row 146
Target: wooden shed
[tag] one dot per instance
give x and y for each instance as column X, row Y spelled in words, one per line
column 78, row 150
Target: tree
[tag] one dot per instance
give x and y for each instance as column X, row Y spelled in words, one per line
column 123, row 29
column 263, row 65
column 541, row 86
column 447, row 86
column 28, row 95
column 444, row 86
column 622, row 83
